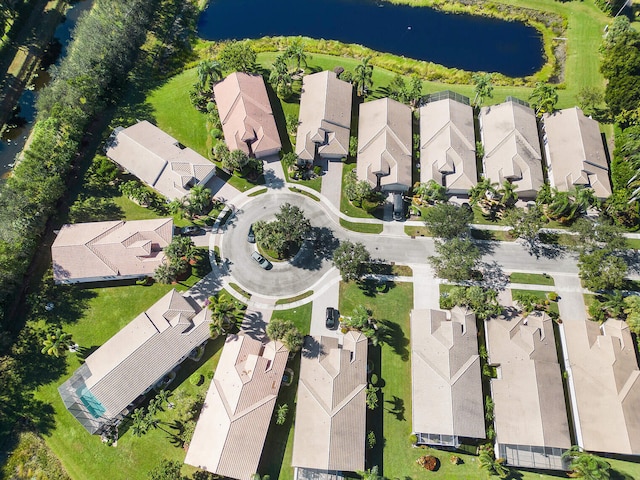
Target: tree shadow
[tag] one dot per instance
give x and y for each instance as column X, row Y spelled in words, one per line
column 254, row 325
column 493, row 276
column 396, row 408
column 393, row 336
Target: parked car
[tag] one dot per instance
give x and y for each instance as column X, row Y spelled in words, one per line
column 330, row 318
column 192, row 231
column 263, row 262
column 251, row 237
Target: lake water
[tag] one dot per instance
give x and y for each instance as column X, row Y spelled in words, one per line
column 462, row 41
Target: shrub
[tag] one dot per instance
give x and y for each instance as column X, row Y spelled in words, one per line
column 455, row 460
column 413, row 439
column 374, row 379
column 553, row 296
column 196, row 379
column 317, row 169
column 428, row 462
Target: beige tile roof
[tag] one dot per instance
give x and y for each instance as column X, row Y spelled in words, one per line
column 94, row 251
column 246, row 114
column 384, row 144
column 330, row 426
column 135, row 358
column 575, row 152
column 512, row 146
column 158, row 159
column 529, row 399
column 233, row 423
column 605, row 383
column 446, row 384
column 325, row 117
column 448, row 145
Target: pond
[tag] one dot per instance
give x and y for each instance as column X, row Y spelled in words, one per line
column 467, row 42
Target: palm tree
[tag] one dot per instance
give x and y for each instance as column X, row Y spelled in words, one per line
column 363, row 77
column 484, row 190
column 431, row 191
column 199, row 199
column 140, row 422
column 224, row 313
column 209, row 72
column 587, row 466
column 165, row 273
column 483, row 87
column 371, row 474
column 56, row 343
column 509, row 195
column 177, row 206
column 296, row 52
column 545, row 97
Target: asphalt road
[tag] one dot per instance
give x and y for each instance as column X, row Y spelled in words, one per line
column 314, row 259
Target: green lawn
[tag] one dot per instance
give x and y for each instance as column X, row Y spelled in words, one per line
column 300, row 316
column 106, row 311
column 531, row 279
column 417, row 231
column 362, row 227
column 346, row 206
column 302, row 296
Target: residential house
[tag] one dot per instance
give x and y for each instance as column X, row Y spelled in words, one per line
column 385, row 145
column 604, row 385
column 447, row 143
column 324, row 122
column 509, row 134
column 531, row 425
column 331, row 412
column 158, row 159
column 111, row 381
column 234, row 420
column 575, row 152
column 446, row 384
column 117, row 250
column 247, row 120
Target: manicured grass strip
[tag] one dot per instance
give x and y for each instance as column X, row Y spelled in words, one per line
column 302, row 296
column 240, row 290
column 417, row 231
column 258, row 192
column 300, row 316
column 361, row 227
column 305, row 193
column 389, row 269
column 531, row 278
column 491, row 235
column 633, row 243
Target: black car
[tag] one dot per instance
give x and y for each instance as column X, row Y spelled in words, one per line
column 330, row 318
column 192, row 231
column 251, row 238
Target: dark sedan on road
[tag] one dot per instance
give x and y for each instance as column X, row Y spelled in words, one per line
column 330, row 318
column 192, row 231
column 251, row 237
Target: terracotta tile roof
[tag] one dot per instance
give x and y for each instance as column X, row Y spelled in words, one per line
column 530, row 407
column 448, row 146
column 575, row 152
column 512, row 148
column 246, row 115
column 385, row 144
column 134, row 359
column 330, row 426
column 158, row 159
column 97, row 251
column 325, row 116
column 233, row 424
column 446, row 384
column 605, row 385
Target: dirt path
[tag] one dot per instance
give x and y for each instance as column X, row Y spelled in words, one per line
column 22, row 58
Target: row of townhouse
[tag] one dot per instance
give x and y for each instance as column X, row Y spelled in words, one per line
column 531, row 420
column 509, row 132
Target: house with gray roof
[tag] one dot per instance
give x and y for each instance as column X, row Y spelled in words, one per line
column 448, row 145
column 530, row 414
column 509, row 134
column 385, row 145
column 324, row 122
column 575, row 152
column 101, row 251
column 331, row 412
column 446, row 384
column 247, row 119
column 604, row 385
column 158, row 159
column 105, row 388
column 234, row 420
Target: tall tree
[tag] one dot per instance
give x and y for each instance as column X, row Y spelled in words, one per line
column 586, row 465
column 296, row 52
column 363, row 77
column 209, row 72
column 483, row 88
column 544, row 97
column 447, row 220
column 225, row 313
column 351, row 259
column 57, row 343
column 238, row 57
column 457, row 259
